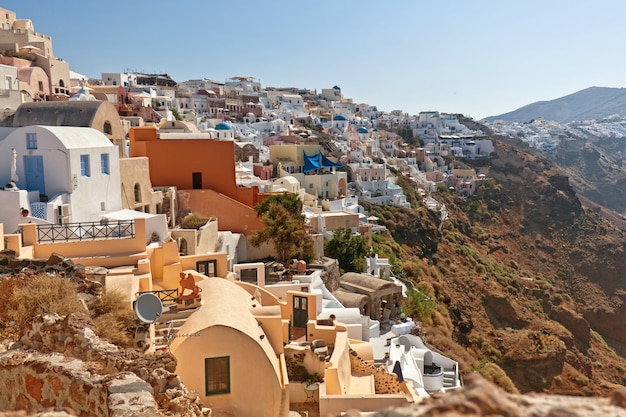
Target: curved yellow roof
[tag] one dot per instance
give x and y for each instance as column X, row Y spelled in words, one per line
column 225, row 303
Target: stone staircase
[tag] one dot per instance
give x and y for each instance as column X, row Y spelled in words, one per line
column 168, row 325
column 449, row 378
column 329, row 146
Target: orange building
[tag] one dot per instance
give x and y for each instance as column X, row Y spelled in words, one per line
column 196, row 164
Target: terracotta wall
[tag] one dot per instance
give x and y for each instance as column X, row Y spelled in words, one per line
column 173, row 162
column 231, row 214
column 264, row 172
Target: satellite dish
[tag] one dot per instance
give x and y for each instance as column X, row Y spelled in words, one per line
column 148, row 307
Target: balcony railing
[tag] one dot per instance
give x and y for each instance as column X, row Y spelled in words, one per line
column 166, row 296
column 85, row 231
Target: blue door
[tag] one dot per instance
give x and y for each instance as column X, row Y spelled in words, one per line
column 33, row 166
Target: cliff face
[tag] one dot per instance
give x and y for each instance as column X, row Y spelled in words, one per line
column 480, row 398
column 595, row 167
column 526, row 278
column 61, row 364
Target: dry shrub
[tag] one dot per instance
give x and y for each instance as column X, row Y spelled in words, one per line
column 440, row 342
column 114, row 319
column 193, row 221
column 495, row 374
column 442, row 321
column 411, row 268
column 25, row 296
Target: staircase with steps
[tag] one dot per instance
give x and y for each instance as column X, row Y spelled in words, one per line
column 330, row 147
column 168, row 325
column 449, row 378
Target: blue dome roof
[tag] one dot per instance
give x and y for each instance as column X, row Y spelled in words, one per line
column 223, row 126
column 340, row 117
column 362, row 130
column 375, row 129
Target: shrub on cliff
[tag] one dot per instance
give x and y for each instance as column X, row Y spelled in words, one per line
column 25, row 295
column 113, row 318
column 29, row 294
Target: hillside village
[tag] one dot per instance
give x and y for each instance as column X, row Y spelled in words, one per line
column 103, row 173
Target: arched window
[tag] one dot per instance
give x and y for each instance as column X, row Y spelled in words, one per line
column 61, row 83
column 137, row 193
column 107, row 128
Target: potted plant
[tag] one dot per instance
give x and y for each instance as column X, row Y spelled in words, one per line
column 313, row 379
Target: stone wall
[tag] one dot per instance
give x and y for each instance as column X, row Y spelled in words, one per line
column 61, row 363
column 37, row 381
column 384, row 382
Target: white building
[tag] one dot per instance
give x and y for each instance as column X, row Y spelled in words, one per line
column 63, row 174
column 125, row 79
column 340, row 125
column 464, row 147
column 373, row 186
column 10, row 90
column 224, row 131
column 293, row 102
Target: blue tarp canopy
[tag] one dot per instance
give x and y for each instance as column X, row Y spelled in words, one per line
column 317, row 161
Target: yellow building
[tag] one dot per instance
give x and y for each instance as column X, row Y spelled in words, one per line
column 229, row 358
column 317, row 174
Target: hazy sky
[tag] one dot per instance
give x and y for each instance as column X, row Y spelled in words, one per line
column 479, row 58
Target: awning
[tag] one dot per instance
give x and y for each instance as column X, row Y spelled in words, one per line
column 317, row 161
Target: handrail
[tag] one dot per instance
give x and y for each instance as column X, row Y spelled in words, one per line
column 164, row 295
column 85, row 231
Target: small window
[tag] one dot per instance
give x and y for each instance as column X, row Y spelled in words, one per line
column 85, row 169
column 104, row 164
column 8, row 81
column 217, row 375
column 40, row 85
column 137, row 193
column 31, row 141
column 208, row 268
column 107, row 128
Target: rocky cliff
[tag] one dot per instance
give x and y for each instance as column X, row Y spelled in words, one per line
column 60, row 364
column 527, row 284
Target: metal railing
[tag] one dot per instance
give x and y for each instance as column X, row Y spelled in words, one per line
column 85, row 231
column 164, row 295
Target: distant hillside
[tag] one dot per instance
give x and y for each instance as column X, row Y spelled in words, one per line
column 587, row 104
column 526, row 284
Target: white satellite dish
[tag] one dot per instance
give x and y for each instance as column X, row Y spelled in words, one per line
column 148, row 307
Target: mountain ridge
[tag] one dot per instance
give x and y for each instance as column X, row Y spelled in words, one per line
column 587, row 104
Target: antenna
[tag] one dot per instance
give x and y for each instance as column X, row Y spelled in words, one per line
column 148, row 307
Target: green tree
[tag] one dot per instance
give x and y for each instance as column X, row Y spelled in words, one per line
column 406, row 133
column 284, row 227
column 175, row 113
column 418, row 305
column 291, row 202
column 350, row 250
